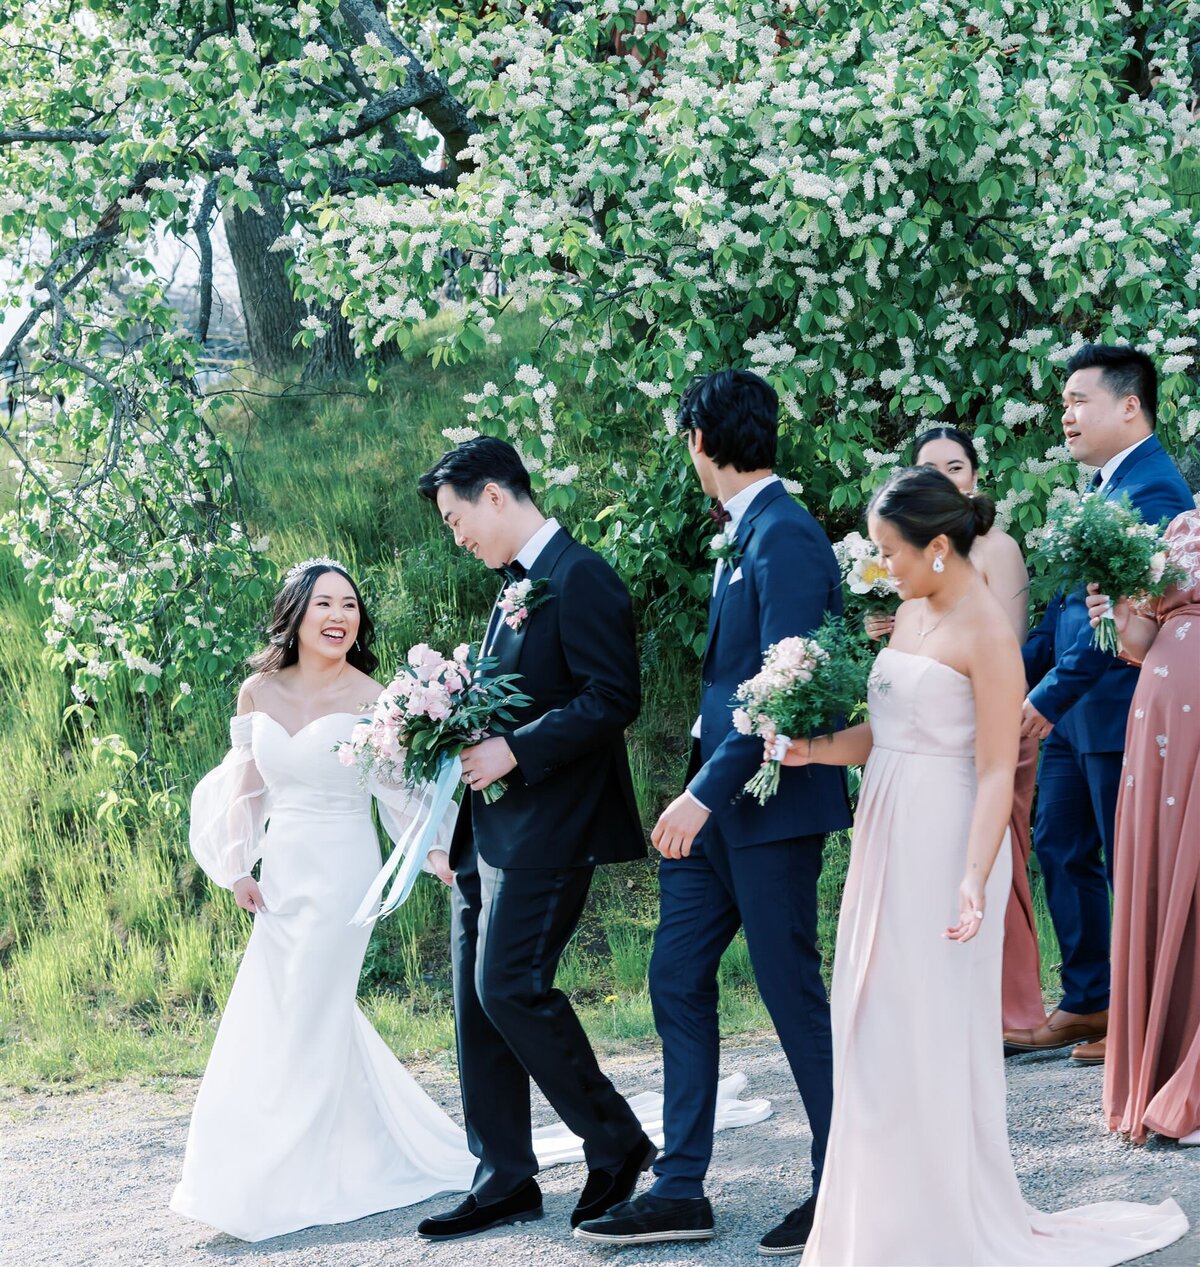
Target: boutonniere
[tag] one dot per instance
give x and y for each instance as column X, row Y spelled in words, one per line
column 724, row 546
column 521, row 599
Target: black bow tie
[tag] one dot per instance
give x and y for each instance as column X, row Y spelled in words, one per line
column 514, row 571
column 719, row 515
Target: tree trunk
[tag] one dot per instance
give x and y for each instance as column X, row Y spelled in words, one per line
column 271, row 312
column 332, row 359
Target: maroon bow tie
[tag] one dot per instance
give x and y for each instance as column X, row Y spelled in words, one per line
column 719, row 515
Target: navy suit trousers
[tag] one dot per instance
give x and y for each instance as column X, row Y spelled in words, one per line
column 771, row 891
column 1073, row 839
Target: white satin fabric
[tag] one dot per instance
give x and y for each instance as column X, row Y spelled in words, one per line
column 304, row 1116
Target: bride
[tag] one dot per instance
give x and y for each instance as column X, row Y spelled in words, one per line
column 919, row 1169
column 304, row 1116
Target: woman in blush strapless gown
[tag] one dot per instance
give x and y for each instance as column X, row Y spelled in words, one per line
column 919, row 1169
column 304, row 1115
column 997, row 558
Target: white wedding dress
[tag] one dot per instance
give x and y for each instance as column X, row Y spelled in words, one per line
column 304, row 1116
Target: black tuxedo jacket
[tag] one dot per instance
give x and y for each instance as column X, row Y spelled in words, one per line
column 570, row 801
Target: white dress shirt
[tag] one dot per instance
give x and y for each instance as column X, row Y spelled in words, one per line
column 529, row 553
column 1109, row 469
column 526, row 556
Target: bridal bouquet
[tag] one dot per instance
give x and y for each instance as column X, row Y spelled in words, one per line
column 430, row 711
column 806, row 685
column 864, row 576
column 1094, row 539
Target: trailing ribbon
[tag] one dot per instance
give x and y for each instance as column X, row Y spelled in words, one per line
column 408, row 857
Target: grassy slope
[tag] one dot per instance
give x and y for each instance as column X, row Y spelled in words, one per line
column 117, row 953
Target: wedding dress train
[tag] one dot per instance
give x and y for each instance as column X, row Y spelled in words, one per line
column 304, row 1116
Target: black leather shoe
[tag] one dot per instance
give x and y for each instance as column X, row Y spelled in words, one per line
column 647, row 1219
column 789, row 1237
column 606, row 1188
column 469, row 1217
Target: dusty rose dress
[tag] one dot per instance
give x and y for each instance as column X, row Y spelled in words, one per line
column 1152, row 1066
column 1021, row 980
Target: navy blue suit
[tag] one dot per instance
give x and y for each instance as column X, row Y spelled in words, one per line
column 1086, row 694
column 750, row 866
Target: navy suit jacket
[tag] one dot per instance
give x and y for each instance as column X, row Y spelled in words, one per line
column 784, row 581
column 1086, row 692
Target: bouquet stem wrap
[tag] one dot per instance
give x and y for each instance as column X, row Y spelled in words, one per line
column 408, row 857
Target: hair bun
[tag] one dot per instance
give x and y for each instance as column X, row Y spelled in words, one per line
column 985, row 512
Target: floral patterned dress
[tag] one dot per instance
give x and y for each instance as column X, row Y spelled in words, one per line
column 1152, row 1067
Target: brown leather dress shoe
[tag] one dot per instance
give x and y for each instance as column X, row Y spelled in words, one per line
column 1060, row 1029
column 1089, row 1053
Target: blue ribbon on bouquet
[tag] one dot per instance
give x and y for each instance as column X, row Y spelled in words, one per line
column 408, row 857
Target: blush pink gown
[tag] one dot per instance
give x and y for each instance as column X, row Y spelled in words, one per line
column 1152, row 1070
column 919, row 1169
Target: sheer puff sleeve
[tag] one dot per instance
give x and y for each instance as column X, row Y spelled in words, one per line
column 229, row 811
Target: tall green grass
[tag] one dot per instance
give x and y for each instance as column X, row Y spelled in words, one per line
column 116, row 954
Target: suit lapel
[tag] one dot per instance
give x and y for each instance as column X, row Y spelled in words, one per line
column 1148, row 449
column 507, row 643
column 745, row 531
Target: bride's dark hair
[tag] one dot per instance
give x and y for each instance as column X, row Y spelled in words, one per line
column 921, row 503
column 290, row 605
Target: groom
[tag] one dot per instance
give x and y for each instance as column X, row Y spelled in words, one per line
column 523, row 864
column 727, row 861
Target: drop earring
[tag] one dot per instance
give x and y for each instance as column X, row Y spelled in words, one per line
column 938, row 565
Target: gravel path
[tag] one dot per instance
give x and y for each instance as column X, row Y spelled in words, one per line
column 85, row 1178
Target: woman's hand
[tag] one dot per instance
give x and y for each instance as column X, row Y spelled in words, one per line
column 798, row 752
column 1098, row 605
column 439, row 860
column 247, row 895
column 878, row 625
column 971, row 908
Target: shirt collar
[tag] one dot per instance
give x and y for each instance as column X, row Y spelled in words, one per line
column 528, row 554
column 1109, row 469
column 739, row 503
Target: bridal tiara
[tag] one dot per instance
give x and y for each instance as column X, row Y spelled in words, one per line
column 294, row 573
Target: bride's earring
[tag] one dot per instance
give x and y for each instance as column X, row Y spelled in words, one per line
column 356, row 646
column 291, row 642
column 938, row 565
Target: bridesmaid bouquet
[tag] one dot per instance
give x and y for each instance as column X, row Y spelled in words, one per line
column 430, row 711
column 863, row 575
column 805, row 687
column 1094, row 539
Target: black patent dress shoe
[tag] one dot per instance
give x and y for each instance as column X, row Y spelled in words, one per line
column 606, row 1188
column 790, row 1236
column 647, row 1219
column 468, row 1218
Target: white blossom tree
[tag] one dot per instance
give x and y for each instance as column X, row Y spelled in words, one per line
column 900, row 211
column 121, row 124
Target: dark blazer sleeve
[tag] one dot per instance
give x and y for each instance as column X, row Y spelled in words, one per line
column 792, row 601
column 1038, row 650
column 1081, row 665
column 600, row 649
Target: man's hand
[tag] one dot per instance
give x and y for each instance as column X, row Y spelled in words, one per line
column 486, row 762
column 439, row 860
column 1033, row 724
column 677, row 827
